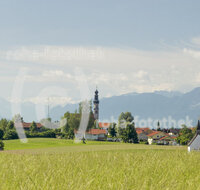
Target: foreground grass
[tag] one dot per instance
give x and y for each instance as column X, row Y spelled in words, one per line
column 43, row 143
column 105, row 166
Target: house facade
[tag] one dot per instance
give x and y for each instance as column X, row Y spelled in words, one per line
column 155, row 136
column 161, row 138
column 142, row 134
column 27, row 126
column 93, row 134
column 194, row 144
column 104, row 126
column 167, row 140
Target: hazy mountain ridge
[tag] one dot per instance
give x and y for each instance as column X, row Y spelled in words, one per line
column 155, row 105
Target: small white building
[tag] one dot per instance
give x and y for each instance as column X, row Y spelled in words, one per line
column 93, row 134
column 194, row 144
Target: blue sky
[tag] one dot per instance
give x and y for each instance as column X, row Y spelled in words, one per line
column 120, row 46
column 132, row 23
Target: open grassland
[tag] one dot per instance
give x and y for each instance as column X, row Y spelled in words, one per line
column 36, row 143
column 97, row 166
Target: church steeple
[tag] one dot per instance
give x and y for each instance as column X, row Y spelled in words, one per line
column 96, row 105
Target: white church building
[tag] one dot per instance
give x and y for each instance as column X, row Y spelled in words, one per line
column 194, row 144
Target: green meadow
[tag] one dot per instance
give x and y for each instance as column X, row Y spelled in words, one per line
column 61, row 164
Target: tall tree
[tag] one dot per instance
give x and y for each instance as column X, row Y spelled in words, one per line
column 3, row 124
column 127, row 116
column 10, row 125
column 127, row 130
column 33, row 127
column 131, row 133
column 112, row 130
column 185, row 135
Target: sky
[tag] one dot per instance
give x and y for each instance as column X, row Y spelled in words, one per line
column 65, row 49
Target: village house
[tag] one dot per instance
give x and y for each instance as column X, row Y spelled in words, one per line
column 174, row 132
column 155, row 136
column 194, row 144
column 161, row 138
column 142, row 134
column 93, row 134
column 27, row 126
column 104, row 126
column 167, row 140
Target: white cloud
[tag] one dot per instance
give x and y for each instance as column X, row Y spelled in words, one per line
column 197, row 78
column 194, row 53
column 53, row 100
column 53, row 73
column 196, row 40
column 52, row 54
column 141, row 74
column 115, row 71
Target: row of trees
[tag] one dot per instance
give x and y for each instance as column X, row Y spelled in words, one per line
column 8, row 130
column 125, row 129
column 34, row 132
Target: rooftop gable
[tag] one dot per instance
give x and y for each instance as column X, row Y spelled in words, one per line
column 153, row 133
column 104, row 125
column 28, row 125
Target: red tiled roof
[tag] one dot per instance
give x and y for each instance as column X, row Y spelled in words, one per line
column 163, row 137
column 97, row 131
column 104, row 125
column 141, row 130
column 94, row 131
column 28, row 125
column 153, row 133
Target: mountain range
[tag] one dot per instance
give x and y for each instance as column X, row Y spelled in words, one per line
column 155, row 105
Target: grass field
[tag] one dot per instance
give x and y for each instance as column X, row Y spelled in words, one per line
column 36, row 143
column 60, row 164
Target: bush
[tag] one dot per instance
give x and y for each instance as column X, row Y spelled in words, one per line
column 1, row 134
column 45, row 134
column 159, row 143
column 11, row 134
column 1, row 145
column 144, row 142
column 50, row 134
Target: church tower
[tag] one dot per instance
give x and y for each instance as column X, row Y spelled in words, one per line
column 96, row 105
